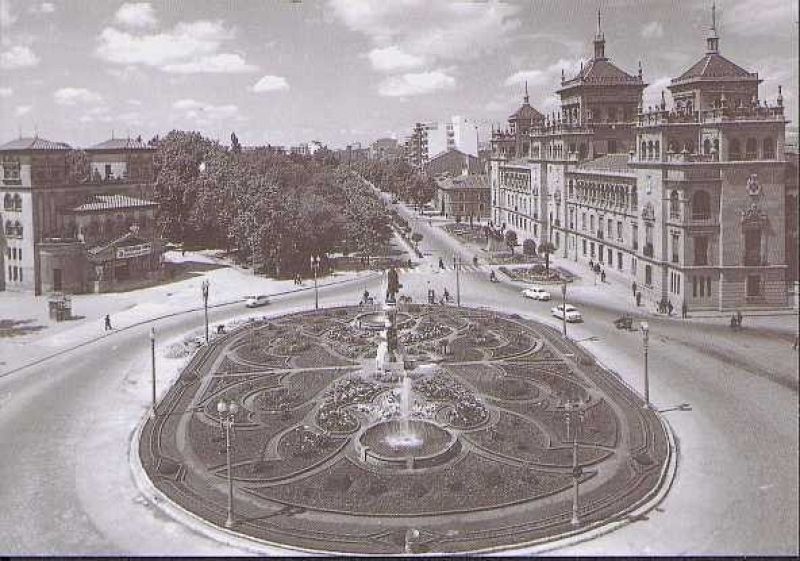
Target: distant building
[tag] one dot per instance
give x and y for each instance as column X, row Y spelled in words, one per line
column 385, row 149
column 352, row 154
column 453, row 162
column 431, row 139
column 466, row 197
column 691, row 202
column 66, row 232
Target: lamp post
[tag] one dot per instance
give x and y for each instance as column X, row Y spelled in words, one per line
column 571, row 408
column 315, row 268
column 204, row 287
column 227, row 412
column 153, row 369
column 457, row 266
column 645, row 337
column 564, row 307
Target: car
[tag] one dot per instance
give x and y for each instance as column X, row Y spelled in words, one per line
column 536, row 293
column 573, row 314
column 256, row 301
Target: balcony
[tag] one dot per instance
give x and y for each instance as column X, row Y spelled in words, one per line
column 647, row 250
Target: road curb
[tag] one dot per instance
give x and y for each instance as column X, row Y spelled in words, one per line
column 170, row 315
column 541, row 545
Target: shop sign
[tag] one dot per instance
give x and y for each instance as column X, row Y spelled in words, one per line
column 134, row 250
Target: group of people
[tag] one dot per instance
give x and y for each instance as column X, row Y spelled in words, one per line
column 598, row 270
column 736, row 320
column 444, row 299
column 298, row 280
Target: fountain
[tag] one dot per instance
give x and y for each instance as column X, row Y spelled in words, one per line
column 404, row 437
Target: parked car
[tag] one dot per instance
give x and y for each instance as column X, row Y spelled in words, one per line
column 573, row 314
column 536, row 293
column 256, row 301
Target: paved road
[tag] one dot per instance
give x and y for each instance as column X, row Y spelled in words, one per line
column 65, row 428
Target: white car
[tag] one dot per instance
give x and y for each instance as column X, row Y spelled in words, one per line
column 536, row 293
column 256, row 301
column 572, row 312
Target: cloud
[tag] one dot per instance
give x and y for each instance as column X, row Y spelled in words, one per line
column 75, row 96
column 42, row 8
column 651, row 96
column 6, row 92
column 223, row 63
column 187, row 48
column 139, row 15
column 22, row 110
column 415, row 84
column 773, row 17
column 7, row 19
column 548, row 76
column 653, row 30
column 270, row 83
column 18, row 56
column 204, row 112
column 429, row 29
column 392, row 58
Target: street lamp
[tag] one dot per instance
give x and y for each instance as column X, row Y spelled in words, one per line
column 457, row 267
column 564, row 308
column 645, row 337
column 570, row 408
column 153, row 369
column 227, row 412
column 204, row 287
column 315, row 268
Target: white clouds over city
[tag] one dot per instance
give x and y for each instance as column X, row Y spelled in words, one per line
column 75, row 96
column 187, row 48
column 6, row 92
column 140, row 15
column 392, row 58
column 18, row 56
column 652, row 30
column 270, row 83
column 202, row 113
column 419, row 83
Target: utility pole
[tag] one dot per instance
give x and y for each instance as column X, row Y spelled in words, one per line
column 564, row 304
column 457, row 264
column 153, row 369
column 645, row 328
column 204, row 287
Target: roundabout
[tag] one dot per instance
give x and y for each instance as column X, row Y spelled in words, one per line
column 450, row 430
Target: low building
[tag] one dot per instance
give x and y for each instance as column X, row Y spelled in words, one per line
column 60, row 204
column 465, row 197
column 453, row 162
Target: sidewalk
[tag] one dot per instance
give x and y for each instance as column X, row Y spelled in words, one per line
column 33, row 335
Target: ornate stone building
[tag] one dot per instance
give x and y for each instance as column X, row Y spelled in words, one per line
column 686, row 201
column 76, row 221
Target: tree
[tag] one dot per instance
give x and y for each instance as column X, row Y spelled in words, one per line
column 416, row 237
column 529, row 247
column 235, row 146
column 547, row 248
column 511, row 240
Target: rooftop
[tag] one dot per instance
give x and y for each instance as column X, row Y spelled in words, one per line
column 121, row 144
column 464, row 182
column 111, row 202
column 34, row 143
column 601, row 72
column 609, row 162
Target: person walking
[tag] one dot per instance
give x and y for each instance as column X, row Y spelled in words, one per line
column 638, row 299
column 669, row 308
column 633, row 288
column 107, row 325
column 684, row 310
column 441, row 263
column 602, row 275
column 739, row 318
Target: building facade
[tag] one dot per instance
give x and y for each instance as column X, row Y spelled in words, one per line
column 688, row 202
column 60, row 205
column 464, row 197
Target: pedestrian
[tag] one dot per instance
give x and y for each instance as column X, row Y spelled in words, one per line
column 603, row 275
column 108, row 323
column 638, row 299
column 739, row 318
column 441, row 263
column 734, row 325
column 684, row 310
column 591, row 264
column 669, row 307
column 633, row 289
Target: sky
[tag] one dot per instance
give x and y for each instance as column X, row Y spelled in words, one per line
column 342, row 71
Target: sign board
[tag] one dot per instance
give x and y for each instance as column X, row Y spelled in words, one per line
column 134, row 250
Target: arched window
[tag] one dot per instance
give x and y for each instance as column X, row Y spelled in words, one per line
column 9, row 228
column 17, row 202
column 7, row 202
column 768, row 149
column 701, row 205
column 673, row 146
column 735, row 150
column 690, row 146
column 657, row 150
column 571, row 189
column 650, row 150
column 751, row 149
column 18, row 228
column 707, row 146
column 643, row 154
column 674, row 205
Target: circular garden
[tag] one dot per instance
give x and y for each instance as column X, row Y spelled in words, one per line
column 480, row 456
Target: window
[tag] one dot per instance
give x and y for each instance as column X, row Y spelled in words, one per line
column 768, row 149
column 708, row 286
column 15, row 272
column 609, row 225
column 619, row 260
column 751, row 149
column 735, row 150
column 619, row 229
column 675, row 248
column 648, row 275
column 108, row 171
column 591, row 222
column 701, row 205
column 706, row 147
column 11, row 171
column 753, row 285
column 610, row 257
column 694, row 287
column 7, row 202
column 612, row 146
column 591, row 250
column 752, row 247
column 674, row 205
column 584, row 246
column 633, row 266
column 701, row 251
column 635, row 235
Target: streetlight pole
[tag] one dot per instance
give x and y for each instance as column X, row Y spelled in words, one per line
column 205, row 305
column 153, row 369
column 227, row 411
column 571, row 408
column 645, row 337
column 315, row 268
column 564, row 304
column 457, row 264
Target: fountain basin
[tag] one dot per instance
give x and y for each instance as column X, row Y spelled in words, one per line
column 407, row 444
column 376, row 321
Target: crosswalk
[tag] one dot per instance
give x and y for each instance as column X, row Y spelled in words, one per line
column 435, row 269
